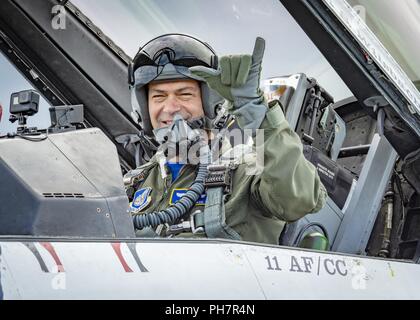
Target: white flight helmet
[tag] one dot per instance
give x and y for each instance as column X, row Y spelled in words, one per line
column 168, row 57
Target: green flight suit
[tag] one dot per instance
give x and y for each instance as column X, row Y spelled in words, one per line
column 259, row 205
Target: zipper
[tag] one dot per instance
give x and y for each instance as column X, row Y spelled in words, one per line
column 165, row 190
column 180, row 172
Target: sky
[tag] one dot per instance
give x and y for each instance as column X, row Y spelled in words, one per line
column 229, row 26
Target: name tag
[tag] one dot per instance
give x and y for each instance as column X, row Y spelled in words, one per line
column 179, row 193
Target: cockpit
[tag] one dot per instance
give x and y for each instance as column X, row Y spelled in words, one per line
column 62, row 174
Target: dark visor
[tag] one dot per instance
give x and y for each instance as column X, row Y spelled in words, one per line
column 177, row 49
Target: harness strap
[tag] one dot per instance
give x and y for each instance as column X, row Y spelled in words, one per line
column 214, row 216
column 211, row 222
column 218, row 183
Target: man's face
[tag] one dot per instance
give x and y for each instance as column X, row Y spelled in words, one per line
column 170, row 97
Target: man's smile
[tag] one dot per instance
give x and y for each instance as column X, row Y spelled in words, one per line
column 165, row 123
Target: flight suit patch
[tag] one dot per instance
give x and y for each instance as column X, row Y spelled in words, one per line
column 141, row 199
column 179, row 193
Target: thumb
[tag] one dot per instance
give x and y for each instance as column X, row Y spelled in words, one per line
column 204, row 72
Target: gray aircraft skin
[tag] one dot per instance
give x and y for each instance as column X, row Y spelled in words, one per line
column 65, row 232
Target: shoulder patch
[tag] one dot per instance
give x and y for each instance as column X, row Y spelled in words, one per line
column 141, row 199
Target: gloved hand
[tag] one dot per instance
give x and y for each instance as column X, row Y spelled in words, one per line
column 238, row 80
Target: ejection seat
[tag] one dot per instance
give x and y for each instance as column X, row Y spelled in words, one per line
column 310, row 111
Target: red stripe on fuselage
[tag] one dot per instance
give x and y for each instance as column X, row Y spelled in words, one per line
column 117, row 249
column 52, row 252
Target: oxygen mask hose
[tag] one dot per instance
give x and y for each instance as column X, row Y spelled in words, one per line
column 180, row 131
column 177, row 210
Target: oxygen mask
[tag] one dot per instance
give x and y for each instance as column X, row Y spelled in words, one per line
column 178, row 138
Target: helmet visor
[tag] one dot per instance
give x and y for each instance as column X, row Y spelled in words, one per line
column 146, row 74
column 177, row 49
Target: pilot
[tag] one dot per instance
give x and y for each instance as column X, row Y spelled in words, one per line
column 184, row 97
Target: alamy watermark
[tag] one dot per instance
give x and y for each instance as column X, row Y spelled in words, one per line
column 240, row 146
column 359, row 277
column 361, row 11
column 58, row 282
column 58, row 21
